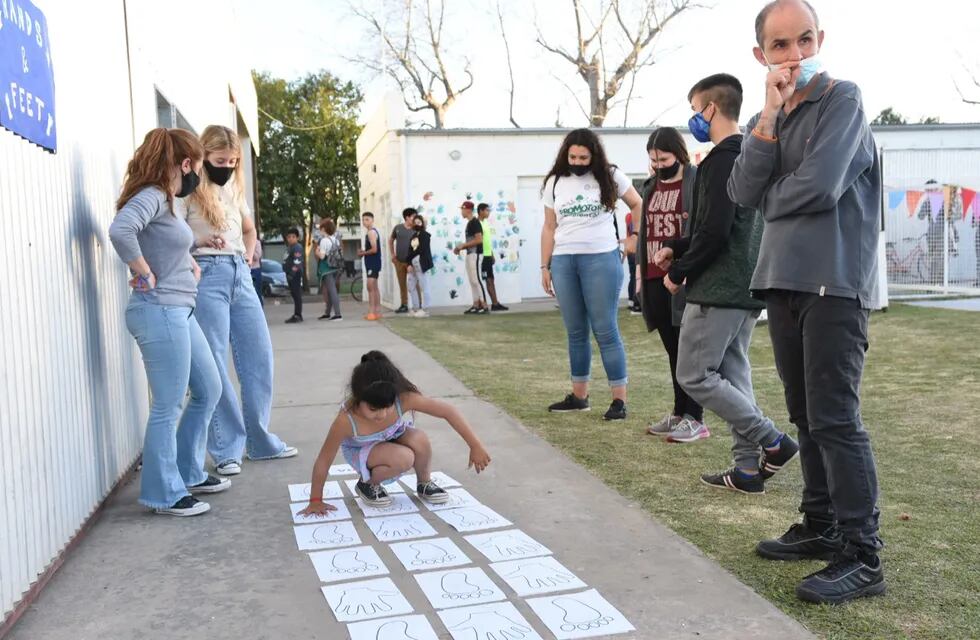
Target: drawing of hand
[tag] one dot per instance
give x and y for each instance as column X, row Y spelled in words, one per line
column 494, row 626
column 364, row 601
column 538, row 575
column 394, row 630
column 388, row 529
column 428, row 553
column 579, row 615
column 349, row 562
column 508, row 545
column 330, row 534
column 457, row 586
column 472, row 517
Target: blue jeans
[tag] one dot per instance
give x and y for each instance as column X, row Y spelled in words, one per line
column 175, row 355
column 587, row 286
column 228, row 309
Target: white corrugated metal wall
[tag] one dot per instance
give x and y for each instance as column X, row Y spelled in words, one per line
column 73, row 397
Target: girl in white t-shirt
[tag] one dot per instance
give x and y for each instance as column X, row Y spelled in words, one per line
column 581, row 263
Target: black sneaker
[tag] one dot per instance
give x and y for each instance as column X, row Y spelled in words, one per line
column 499, row 307
column 471, row 310
column 336, row 318
column 373, row 494
column 432, row 493
column 401, row 309
column 186, row 506
column 325, row 316
column 776, row 460
column 482, row 311
column 211, row 485
column 842, row 580
column 802, row 543
column 734, row 481
column 571, row 403
column 616, row 411
column 294, row 319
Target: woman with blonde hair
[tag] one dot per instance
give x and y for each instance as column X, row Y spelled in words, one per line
column 228, row 308
column 160, row 315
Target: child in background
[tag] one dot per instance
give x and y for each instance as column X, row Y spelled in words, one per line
column 292, row 264
column 376, row 432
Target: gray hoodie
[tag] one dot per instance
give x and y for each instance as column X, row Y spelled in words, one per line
column 818, row 186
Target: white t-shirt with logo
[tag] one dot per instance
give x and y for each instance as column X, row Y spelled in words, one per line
column 585, row 225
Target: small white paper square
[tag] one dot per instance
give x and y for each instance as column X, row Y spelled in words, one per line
column 458, row 497
column 579, row 615
column 397, row 528
column 429, row 554
column 340, row 513
column 347, row 564
column 458, row 587
column 301, row 492
column 329, row 535
column 497, row 620
column 411, row 481
column 537, row 576
column 342, row 470
column 473, row 518
column 354, row 601
column 512, row 544
column 391, row 487
column 400, row 503
column 401, row 628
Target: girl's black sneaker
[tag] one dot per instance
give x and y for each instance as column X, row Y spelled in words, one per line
column 373, row 494
column 432, row 493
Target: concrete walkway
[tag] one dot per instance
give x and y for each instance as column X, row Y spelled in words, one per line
column 236, row 573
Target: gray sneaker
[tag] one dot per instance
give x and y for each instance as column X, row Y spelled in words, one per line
column 688, row 430
column 663, row 427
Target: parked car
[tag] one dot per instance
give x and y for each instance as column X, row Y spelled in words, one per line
column 273, row 279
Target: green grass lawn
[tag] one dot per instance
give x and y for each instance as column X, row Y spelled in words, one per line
column 921, row 405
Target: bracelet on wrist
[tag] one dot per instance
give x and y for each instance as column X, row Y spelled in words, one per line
column 312, row 500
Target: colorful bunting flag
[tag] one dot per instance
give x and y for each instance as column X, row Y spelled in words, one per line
column 935, row 204
column 895, row 199
column 912, row 198
column 968, row 199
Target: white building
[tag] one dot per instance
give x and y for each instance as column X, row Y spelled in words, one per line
column 436, row 170
column 73, row 396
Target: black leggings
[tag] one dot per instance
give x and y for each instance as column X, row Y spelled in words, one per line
column 658, row 300
column 296, row 289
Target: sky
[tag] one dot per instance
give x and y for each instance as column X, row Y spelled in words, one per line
column 904, row 54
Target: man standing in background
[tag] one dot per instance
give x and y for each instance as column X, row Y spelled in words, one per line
column 483, row 211
column 400, row 249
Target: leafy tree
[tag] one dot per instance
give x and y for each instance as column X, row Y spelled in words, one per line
column 889, row 116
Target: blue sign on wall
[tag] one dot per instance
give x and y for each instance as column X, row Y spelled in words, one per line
column 26, row 75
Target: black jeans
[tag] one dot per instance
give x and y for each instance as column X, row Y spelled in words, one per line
column 296, row 290
column 819, row 343
column 659, row 302
column 631, row 287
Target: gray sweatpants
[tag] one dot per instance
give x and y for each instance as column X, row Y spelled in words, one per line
column 713, row 368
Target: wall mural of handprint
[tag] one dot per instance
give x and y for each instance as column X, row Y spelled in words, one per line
column 346, row 564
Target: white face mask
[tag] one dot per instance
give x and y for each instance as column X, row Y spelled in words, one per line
column 809, row 67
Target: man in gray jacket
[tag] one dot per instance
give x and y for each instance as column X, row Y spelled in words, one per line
column 810, row 165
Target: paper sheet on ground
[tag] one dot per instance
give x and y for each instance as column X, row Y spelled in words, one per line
column 347, row 564
column 340, row 513
column 579, row 615
column 458, row 587
column 473, row 518
column 458, row 497
column 401, row 628
column 391, row 487
column 423, row 555
column 512, row 544
column 329, row 535
column 537, row 576
column 354, row 601
column 400, row 503
column 497, row 620
column 397, row 528
column 301, row 492
column 411, row 481
column 342, row 470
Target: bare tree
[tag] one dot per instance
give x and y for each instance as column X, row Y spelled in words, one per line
column 510, row 66
column 976, row 85
column 415, row 58
column 634, row 45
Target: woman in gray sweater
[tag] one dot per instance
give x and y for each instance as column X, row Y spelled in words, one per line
column 156, row 245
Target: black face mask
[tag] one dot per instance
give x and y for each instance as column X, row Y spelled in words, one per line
column 666, row 173
column 580, row 169
column 218, row 175
column 188, row 182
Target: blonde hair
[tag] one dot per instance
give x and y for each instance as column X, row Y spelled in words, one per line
column 155, row 160
column 216, row 138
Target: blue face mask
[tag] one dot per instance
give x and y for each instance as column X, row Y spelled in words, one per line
column 700, row 128
column 809, row 67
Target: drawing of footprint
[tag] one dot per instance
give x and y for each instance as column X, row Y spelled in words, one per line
column 329, row 534
column 457, row 586
column 428, row 553
column 349, row 562
column 394, row 630
column 579, row 615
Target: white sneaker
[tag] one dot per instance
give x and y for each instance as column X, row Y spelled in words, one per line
column 421, row 313
column 229, row 468
column 288, row 452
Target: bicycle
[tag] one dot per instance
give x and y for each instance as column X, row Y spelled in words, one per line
column 913, row 264
column 356, row 287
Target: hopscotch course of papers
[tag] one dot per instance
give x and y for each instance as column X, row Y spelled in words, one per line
column 468, row 600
